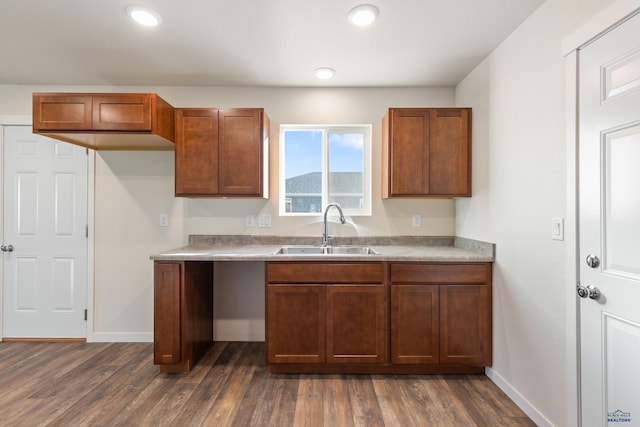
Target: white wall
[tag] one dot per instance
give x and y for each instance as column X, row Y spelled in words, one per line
column 518, row 95
column 133, row 188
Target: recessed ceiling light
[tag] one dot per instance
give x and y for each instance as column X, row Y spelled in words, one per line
column 363, row 15
column 144, row 16
column 325, row 73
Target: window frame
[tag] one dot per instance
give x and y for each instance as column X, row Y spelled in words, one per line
column 365, row 129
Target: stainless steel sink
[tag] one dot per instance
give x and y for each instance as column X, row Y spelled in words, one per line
column 301, row 250
column 351, row 250
column 326, row 250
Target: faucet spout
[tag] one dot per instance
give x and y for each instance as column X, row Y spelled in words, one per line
column 325, row 235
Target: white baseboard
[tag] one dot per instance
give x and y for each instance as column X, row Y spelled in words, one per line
column 531, row 411
column 122, row 337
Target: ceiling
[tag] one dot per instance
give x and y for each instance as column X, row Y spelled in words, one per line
column 251, row 42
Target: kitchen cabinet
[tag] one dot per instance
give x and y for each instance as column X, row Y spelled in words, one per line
column 106, row 121
column 356, row 324
column 222, row 153
column 441, row 314
column 359, row 317
column 183, row 313
column 426, row 152
column 323, row 314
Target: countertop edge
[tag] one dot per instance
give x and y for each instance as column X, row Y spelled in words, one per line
column 412, row 249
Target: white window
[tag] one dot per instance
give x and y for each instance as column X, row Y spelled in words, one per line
column 322, row 164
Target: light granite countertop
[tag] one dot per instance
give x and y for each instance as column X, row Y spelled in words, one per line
column 395, row 248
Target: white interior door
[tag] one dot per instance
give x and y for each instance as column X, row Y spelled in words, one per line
column 45, row 246
column 609, row 214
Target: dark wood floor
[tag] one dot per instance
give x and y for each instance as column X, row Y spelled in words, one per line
column 116, row 384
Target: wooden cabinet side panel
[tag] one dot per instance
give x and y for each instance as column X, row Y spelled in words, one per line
column 196, row 158
column 167, row 348
column 414, row 324
column 465, row 324
column 240, row 152
column 162, row 118
column 450, row 152
column 197, row 312
column 356, row 326
column 70, row 112
column 409, row 152
column 386, row 158
column 295, row 318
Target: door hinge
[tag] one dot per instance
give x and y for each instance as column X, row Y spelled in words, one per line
column 86, row 231
column 85, row 314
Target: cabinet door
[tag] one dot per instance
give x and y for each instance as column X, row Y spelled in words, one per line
column 414, row 324
column 295, row 323
column 241, row 152
column 196, row 158
column 356, row 329
column 122, row 112
column 61, row 112
column 465, row 324
column 409, row 152
column 167, row 348
column 449, row 152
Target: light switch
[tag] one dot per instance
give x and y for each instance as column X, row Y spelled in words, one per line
column 249, row 220
column 557, row 228
column 164, row 220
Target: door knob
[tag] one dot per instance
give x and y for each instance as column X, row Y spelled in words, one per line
column 593, row 261
column 589, row 291
column 6, row 248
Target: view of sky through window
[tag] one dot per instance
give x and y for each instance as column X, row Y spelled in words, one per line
column 324, row 164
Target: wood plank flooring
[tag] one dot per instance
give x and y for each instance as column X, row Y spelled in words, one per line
column 116, row 384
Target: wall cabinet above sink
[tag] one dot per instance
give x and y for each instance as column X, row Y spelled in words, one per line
column 106, row 121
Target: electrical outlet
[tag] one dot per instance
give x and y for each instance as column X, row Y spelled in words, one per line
column 416, row 221
column 264, row 220
column 164, row 220
column 249, row 220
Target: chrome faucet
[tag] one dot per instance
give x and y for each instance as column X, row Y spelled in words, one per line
column 325, row 236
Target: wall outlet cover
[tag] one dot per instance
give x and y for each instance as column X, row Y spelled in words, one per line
column 264, row 220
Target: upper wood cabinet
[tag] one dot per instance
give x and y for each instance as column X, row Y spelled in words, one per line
column 222, row 153
column 426, row 152
column 106, row 121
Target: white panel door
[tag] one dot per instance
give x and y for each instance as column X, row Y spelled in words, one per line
column 609, row 215
column 45, row 246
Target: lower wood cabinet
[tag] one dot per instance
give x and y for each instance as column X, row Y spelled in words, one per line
column 441, row 314
column 378, row 317
column 326, row 314
column 339, row 317
column 183, row 313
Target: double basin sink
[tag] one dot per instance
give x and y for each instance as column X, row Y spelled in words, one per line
column 325, row 250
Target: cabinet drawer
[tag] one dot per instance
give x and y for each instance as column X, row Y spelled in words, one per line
column 440, row 273
column 322, row 272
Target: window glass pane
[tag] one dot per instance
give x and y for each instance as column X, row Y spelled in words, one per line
column 346, row 160
column 303, row 170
